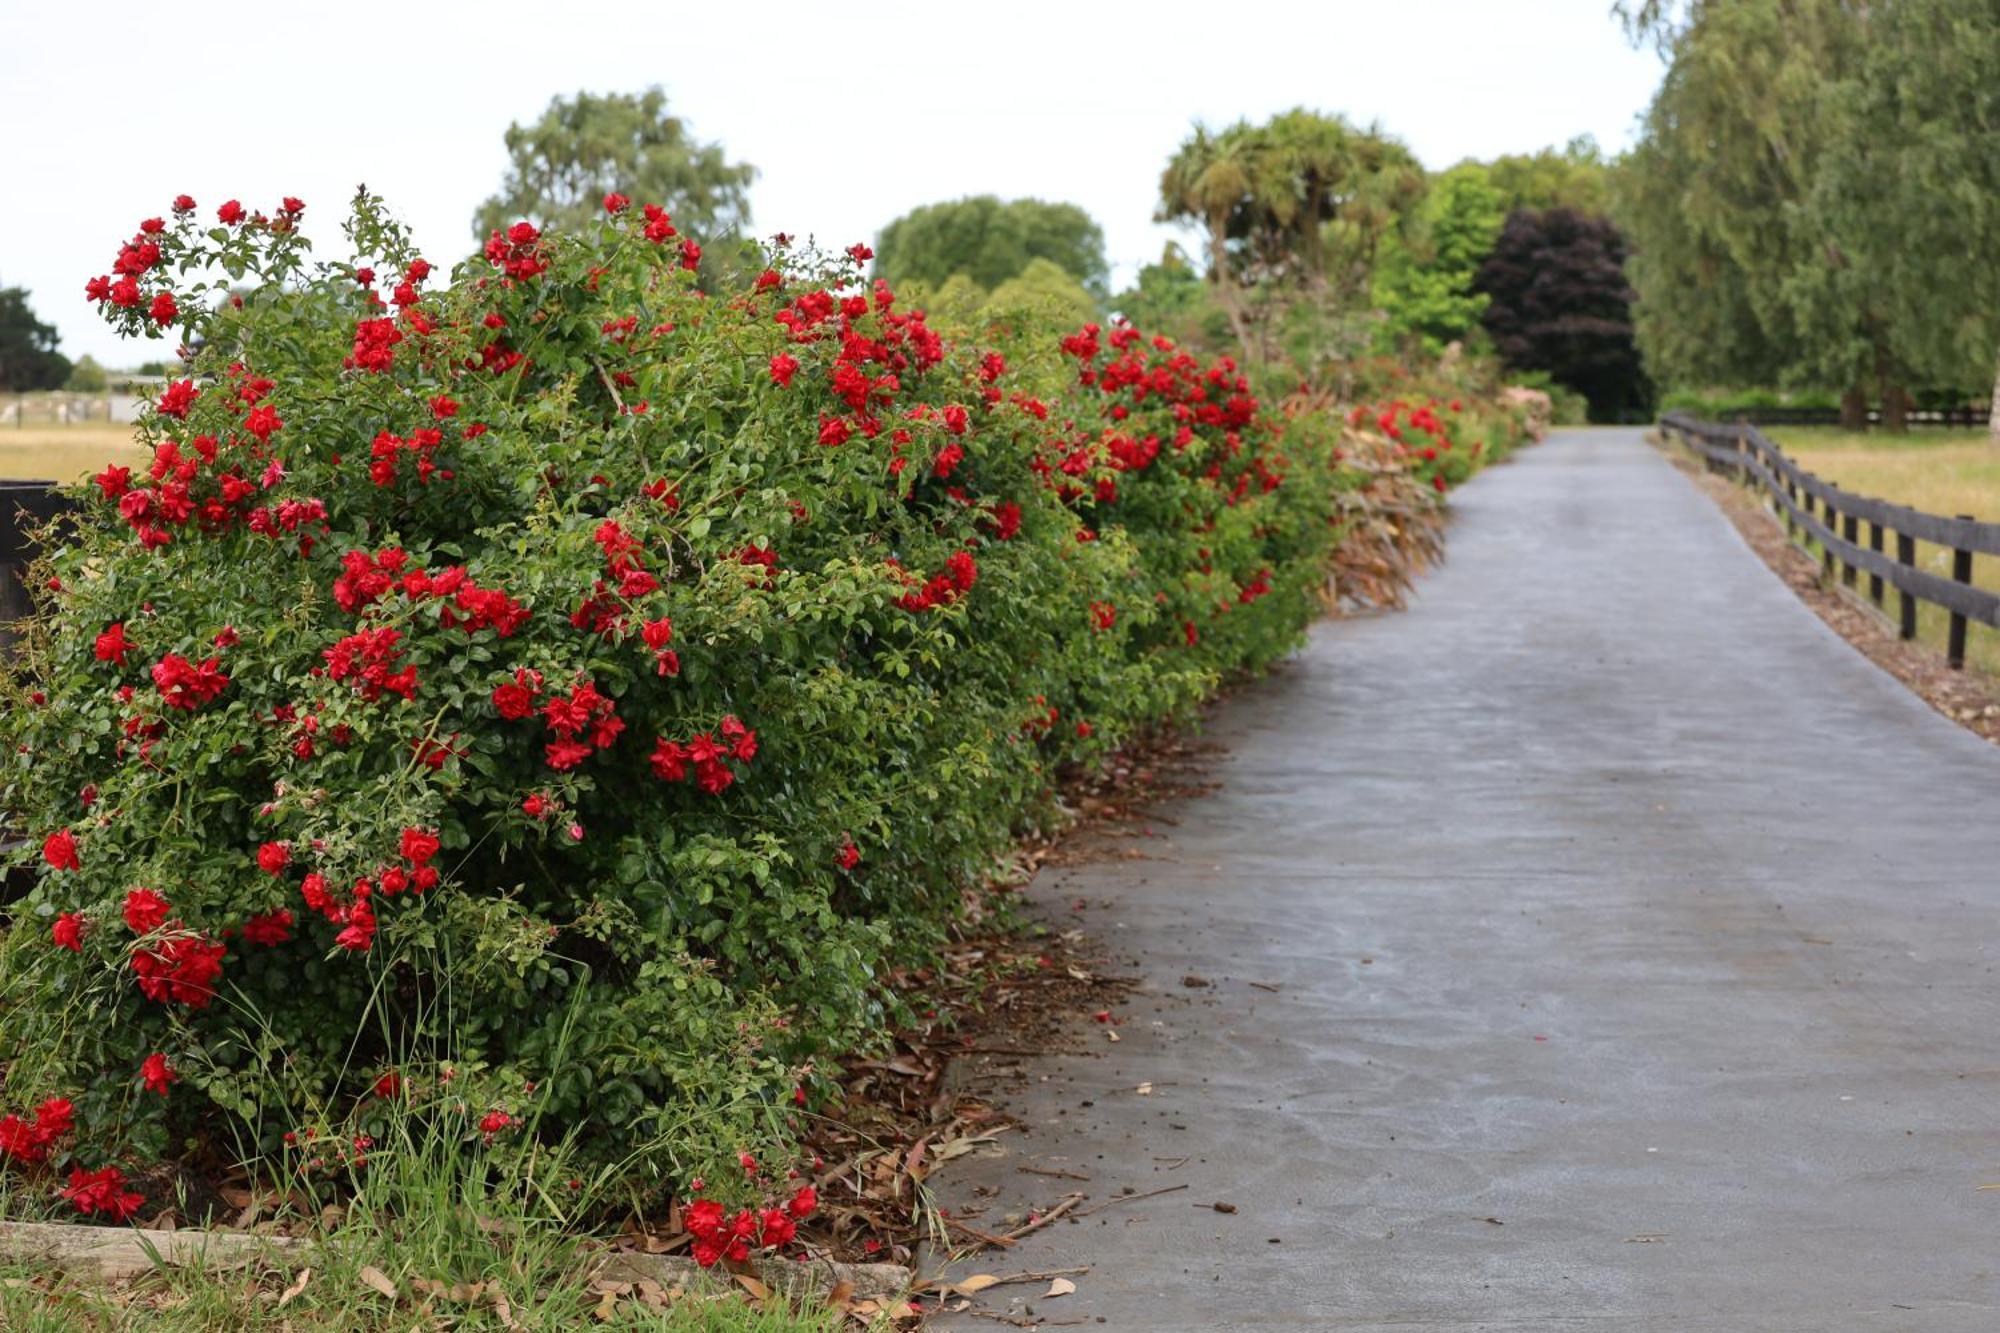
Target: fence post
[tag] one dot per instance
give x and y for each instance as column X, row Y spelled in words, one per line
column 1875, row 545
column 1850, row 531
column 1832, row 523
column 1906, row 554
column 1961, row 572
column 1791, row 524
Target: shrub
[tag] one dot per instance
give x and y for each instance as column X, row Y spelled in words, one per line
column 551, row 697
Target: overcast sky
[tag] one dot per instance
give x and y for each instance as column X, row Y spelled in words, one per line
column 852, row 112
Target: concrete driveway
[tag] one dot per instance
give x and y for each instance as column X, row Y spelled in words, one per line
column 1633, row 947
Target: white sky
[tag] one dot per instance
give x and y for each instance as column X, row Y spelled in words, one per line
column 853, row 113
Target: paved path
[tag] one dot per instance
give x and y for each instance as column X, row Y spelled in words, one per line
column 1635, row 944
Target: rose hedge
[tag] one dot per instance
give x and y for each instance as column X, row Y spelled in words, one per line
column 553, row 695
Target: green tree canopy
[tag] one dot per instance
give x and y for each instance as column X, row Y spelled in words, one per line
column 1908, row 201
column 590, row 145
column 1573, row 176
column 1292, row 213
column 28, row 356
column 1738, row 273
column 87, row 376
column 990, row 241
column 1425, row 283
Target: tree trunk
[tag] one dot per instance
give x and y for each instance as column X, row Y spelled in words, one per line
column 1225, row 287
column 1854, row 410
column 1895, row 409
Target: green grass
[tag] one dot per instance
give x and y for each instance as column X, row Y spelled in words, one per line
column 334, row 1300
column 1939, row 471
column 463, row 1247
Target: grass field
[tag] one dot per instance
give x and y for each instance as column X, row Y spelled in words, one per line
column 63, row 453
column 1940, row 471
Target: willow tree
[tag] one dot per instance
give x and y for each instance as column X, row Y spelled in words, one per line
column 1740, row 273
column 1912, row 195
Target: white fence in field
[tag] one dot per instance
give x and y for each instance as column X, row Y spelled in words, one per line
column 21, row 410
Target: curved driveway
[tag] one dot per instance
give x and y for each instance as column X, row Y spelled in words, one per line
column 1633, row 945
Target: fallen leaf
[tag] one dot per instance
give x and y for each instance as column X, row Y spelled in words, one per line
column 842, row 1293
column 1144, row 1089
column 374, row 1277
column 978, row 1282
column 1061, row 1286
column 292, row 1292
column 1223, row 1207
column 756, row 1289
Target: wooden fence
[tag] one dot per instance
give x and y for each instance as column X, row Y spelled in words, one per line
column 1833, row 518
column 1962, row 416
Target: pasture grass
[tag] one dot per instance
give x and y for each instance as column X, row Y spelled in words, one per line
column 64, row 453
column 1940, row 471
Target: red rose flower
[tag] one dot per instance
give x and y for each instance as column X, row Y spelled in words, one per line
column 59, row 850
column 230, row 213
column 157, row 1073
column 145, row 911
column 67, row 931
column 273, row 857
column 268, row 928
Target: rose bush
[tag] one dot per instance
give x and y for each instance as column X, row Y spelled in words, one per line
column 550, row 697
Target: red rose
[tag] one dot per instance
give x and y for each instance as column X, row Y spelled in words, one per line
column 59, row 850
column 157, row 1073
column 419, row 845
column 145, row 911
column 273, row 857
column 268, row 928
column 616, row 202
column 67, row 932
column 230, row 213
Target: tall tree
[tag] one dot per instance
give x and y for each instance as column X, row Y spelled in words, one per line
column 1559, row 303
column 591, row 145
column 1292, row 212
column 1910, row 198
column 28, row 356
column 1720, row 188
column 1425, row 284
column 991, row 240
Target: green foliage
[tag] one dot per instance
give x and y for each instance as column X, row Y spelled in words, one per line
column 1292, row 213
column 86, row 376
column 991, row 241
column 1424, row 284
column 591, row 145
column 1811, row 204
column 1171, row 297
column 564, row 695
column 1909, row 196
column 28, row 356
column 1573, row 176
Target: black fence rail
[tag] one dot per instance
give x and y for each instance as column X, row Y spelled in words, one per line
column 1963, row 416
column 24, row 507
column 1833, row 518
